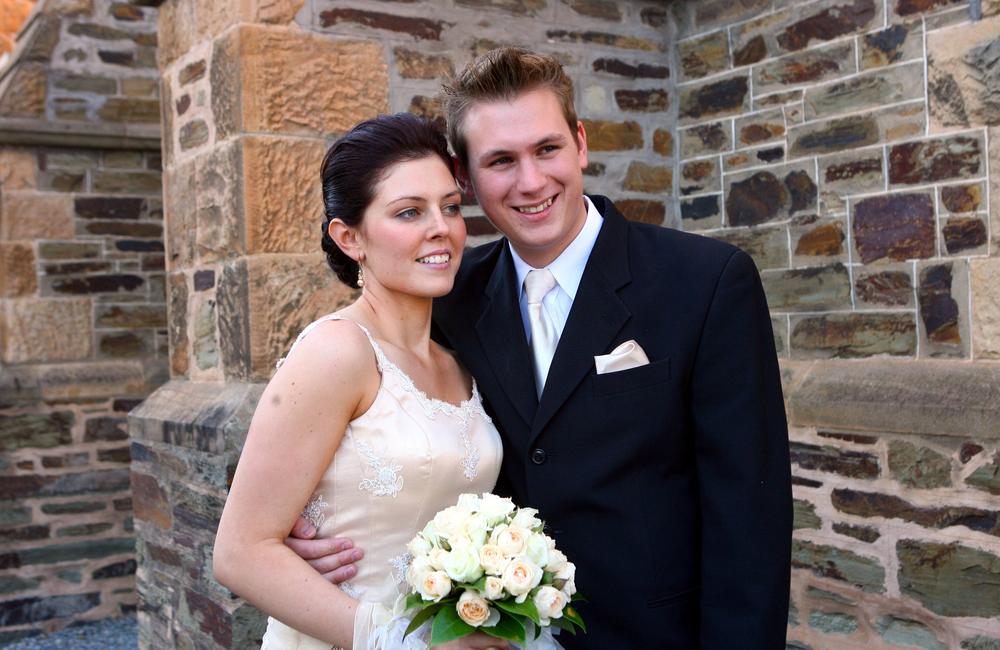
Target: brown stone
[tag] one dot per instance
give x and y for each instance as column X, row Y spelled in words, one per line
column 647, row 101
column 870, row 504
column 47, row 330
column 825, row 240
column 642, row 177
column 889, row 288
column 428, row 108
column 193, row 134
column 855, row 438
column 963, row 234
column 950, row 579
column 126, row 182
column 707, row 138
column 606, row 39
column 192, row 72
column 700, row 176
column 855, row 464
column 133, row 111
column 968, row 451
column 18, row 169
column 139, row 87
column 126, row 12
column 418, row 65
column 829, row 24
column 177, row 299
column 895, row 226
column 809, row 289
column 753, row 51
column 704, row 55
column 642, row 211
column 961, row 198
column 603, row 135
column 755, row 200
column 877, row 88
column 629, row 70
column 150, row 502
column 866, row 534
column 25, row 92
column 604, row 9
column 714, row 98
column 419, row 28
column 760, row 128
column 938, row 308
column 911, row 7
column 812, row 66
column 701, row 212
column 853, row 335
column 34, row 215
column 663, row 142
column 17, row 270
column 929, row 161
column 131, row 316
column 282, row 80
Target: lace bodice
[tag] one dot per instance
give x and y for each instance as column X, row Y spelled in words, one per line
column 407, row 457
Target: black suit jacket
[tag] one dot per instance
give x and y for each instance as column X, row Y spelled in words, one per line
column 668, row 484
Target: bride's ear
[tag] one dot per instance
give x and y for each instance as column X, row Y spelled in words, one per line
column 346, row 238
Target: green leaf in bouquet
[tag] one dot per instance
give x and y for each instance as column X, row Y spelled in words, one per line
column 563, row 624
column 578, row 598
column 448, row 626
column 573, row 616
column 478, row 585
column 527, row 608
column 548, row 578
column 422, row 616
column 509, row 627
column 415, row 600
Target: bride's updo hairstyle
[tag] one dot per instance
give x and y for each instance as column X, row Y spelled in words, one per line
column 358, row 161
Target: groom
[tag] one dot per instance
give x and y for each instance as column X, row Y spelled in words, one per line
column 631, row 371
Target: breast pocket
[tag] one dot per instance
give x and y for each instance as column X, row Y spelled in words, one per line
column 624, row 381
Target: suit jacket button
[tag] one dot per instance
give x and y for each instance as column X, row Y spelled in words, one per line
column 538, row 456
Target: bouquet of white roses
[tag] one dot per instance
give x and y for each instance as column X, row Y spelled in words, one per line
column 485, row 565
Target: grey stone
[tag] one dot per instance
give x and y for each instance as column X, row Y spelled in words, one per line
column 901, row 631
column 833, row 622
column 839, row 564
column 814, row 289
column 918, row 467
column 950, row 579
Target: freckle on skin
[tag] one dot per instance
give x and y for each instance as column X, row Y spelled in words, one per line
column 276, row 400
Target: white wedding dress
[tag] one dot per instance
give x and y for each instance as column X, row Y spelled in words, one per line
column 407, row 457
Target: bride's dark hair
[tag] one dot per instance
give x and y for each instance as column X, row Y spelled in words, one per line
column 355, row 164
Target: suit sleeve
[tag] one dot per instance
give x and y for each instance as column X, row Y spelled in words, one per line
column 741, row 446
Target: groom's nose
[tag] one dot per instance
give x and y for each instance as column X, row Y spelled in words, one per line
column 530, row 178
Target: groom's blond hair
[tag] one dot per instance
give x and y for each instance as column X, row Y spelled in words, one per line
column 503, row 74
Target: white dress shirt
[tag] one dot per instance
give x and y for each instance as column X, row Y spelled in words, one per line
column 567, row 270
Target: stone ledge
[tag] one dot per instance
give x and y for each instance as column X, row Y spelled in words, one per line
column 921, row 397
column 28, row 132
column 209, row 417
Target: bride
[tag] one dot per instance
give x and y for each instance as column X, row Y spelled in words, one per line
column 368, row 427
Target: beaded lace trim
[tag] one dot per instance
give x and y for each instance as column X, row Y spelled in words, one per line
column 351, row 590
column 400, row 564
column 387, row 482
column 315, row 511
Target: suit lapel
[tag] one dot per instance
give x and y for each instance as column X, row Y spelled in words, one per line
column 501, row 334
column 597, row 315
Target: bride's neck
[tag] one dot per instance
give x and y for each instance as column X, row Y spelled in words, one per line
column 403, row 321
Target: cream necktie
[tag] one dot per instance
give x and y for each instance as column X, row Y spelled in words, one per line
column 543, row 331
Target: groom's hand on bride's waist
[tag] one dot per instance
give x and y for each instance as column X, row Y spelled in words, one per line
column 334, row 557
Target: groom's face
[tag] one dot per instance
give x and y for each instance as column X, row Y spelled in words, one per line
column 526, row 168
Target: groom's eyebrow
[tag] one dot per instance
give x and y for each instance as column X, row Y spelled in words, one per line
column 552, row 137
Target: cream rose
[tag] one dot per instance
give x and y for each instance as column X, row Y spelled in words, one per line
column 537, row 549
column 469, row 503
column 495, row 509
column 419, row 567
column 419, row 546
column 474, row 610
column 550, row 603
column 493, row 588
column 565, row 578
column 461, row 563
column 434, row 586
column 520, row 577
column 492, row 559
column 511, row 539
column 436, row 557
column 527, row 518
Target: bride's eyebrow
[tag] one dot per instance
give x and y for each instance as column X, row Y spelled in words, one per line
column 405, row 198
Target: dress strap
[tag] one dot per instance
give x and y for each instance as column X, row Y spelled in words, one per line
column 380, row 358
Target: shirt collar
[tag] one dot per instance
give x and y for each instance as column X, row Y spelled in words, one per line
column 568, row 267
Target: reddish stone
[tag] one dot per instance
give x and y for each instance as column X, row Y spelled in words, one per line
column 107, row 207
column 964, row 233
column 961, row 198
column 420, row 28
column 968, row 451
column 663, row 142
column 755, row 200
column 111, row 283
column 797, row 72
column 755, row 50
column 191, row 72
column 623, row 69
column 642, row 211
column 929, row 161
column 822, row 241
column 150, row 502
column 650, row 101
column 828, row 24
column 885, row 288
column 898, row 226
column 754, row 133
column 183, row 104
column 852, row 169
column 212, row 618
column 938, row 309
column 910, row 7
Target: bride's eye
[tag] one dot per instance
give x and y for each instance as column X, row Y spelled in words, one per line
column 407, row 214
column 452, row 209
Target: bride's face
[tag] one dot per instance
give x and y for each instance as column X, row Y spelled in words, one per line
column 412, row 233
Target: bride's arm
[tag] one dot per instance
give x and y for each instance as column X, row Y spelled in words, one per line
column 300, row 420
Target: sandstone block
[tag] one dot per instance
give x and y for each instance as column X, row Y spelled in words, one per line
column 17, row 270
column 419, row 28
column 654, row 100
column 419, row 65
column 26, row 93
column 654, row 179
column 291, row 82
column 632, row 71
column 816, row 240
column 963, row 75
column 877, row 88
column 985, row 288
column 760, row 128
column 18, row 169
column 663, row 142
column 35, row 215
column 929, row 161
column 883, row 287
column 612, row 136
column 853, row 172
column 47, row 330
column 606, row 39
column 942, row 296
column 652, row 212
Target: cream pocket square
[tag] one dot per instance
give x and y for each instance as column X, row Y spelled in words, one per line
column 625, row 356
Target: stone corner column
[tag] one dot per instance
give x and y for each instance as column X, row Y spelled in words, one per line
column 249, row 101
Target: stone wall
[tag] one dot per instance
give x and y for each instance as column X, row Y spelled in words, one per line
column 847, row 145
column 82, row 309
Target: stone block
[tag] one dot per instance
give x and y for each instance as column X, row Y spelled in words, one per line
column 959, row 199
column 963, row 75
column 918, row 467
column 699, row 176
column 929, row 161
column 747, row 158
column 950, row 579
column 107, row 283
column 900, row 42
column 804, row 515
column 877, row 88
column 824, row 561
column 840, row 134
column 826, row 458
column 35, row 431
column 150, row 502
column 127, row 182
column 902, row 631
column 710, row 14
column 767, row 245
column 604, row 135
column 853, row 172
column 643, row 211
column 18, row 169
column 606, row 39
column 274, row 216
column 654, row 100
column 883, row 287
column 204, row 345
column 622, row 68
column 180, row 202
column 413, row 64
column 941, row 296
column 47, row 330
column 809, row 67
column 865, row 534
column 35, row 215
column 704, row 55
column 985, row 289
column 706, row 138
column 17, row 270
column 663, row 142
column 25, row 93
column 810, row 289
column 125, row 345
column 653, row 179
column 816, row 240
column 833, row 622
column 140, row 87
column 603, row 9
column 986, row 477
column 177, row 311
column 282, row 80
column 913, row 8
column 773, row 194
column 713, row 99
column 895, row 227
column 853, row 335
column 759, row 128
column 701, row 213
column 38, row 609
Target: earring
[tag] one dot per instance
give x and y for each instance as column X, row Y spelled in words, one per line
column 361, row 276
